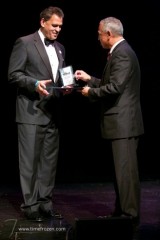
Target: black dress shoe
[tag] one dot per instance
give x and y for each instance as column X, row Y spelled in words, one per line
column 114, row 214
column 34, row 216
column 117, row 215
column 135, row 220
column 52, row 213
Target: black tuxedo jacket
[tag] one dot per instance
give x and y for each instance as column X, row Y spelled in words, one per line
column 28, row 63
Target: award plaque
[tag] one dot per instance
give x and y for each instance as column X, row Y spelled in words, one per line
column 67, row 80
column 67, row 76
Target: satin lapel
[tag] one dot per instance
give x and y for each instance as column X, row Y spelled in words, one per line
column 60, row 58
column 42, row 52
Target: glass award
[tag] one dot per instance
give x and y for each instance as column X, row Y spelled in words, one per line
column 67, row 79
column 67, row 76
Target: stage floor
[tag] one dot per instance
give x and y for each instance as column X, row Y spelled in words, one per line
column 83, row 206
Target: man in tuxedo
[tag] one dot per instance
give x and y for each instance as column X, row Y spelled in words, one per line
column 118, row 92
column 33, row 70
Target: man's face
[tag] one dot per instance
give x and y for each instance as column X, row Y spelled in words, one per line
column 52, row 27
column 103, row 37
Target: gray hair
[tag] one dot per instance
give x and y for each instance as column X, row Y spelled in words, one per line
column 113, row 25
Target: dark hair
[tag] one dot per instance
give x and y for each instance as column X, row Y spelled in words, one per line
column 48, row 12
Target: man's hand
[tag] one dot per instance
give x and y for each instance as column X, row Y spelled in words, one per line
column 84, row 91
column 81, row 75
column 41, row 87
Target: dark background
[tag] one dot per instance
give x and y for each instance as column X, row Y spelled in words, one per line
column 81, row 155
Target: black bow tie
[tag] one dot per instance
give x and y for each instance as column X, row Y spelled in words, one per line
column 48, row 41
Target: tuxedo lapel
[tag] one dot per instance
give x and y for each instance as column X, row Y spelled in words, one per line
column 42, row 52
column 44, row 56
column 60, row 58
column 59, row 54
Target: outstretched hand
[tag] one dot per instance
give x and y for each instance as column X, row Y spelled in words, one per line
column 41, row 87
column 82, row 75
